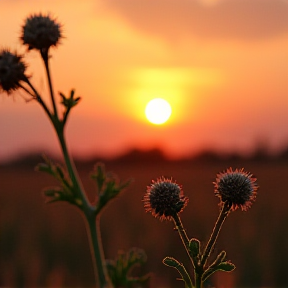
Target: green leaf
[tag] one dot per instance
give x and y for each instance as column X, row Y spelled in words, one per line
column 99, row 175
column 69, row 102
column 66, row 190
column 121, row 267
column 194, row 249
column 220, row 258
column 226, row 266
column 107, row 184
column 172, row 262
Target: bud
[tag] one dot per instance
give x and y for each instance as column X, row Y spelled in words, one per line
column 238, row 188
column 40, row 32
column 164, row 199
column 12, row 70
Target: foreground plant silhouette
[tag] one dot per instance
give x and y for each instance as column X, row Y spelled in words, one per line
column 41, row 32
column 165, row 199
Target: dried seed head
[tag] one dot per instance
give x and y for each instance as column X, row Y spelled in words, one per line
column 238, row 188
column 40, row 32
column 12, row 70
column 164, row 199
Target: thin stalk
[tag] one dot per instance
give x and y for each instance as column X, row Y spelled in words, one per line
column 78, row 187
column 38, row 98
column 96, row 248
column 182, row 233
column 221, row 218
column 92, row 220
column 45, row 58
column 198, row 280
column 184, row 238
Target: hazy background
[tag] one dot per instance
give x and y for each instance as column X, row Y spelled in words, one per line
column 223, row 66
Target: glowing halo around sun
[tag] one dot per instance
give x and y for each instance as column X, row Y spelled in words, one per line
column 158, row 111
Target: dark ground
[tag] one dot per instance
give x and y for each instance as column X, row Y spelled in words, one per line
column 45, row 245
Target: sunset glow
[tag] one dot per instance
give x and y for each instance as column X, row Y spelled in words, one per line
column 158, row 111
column 202, row 57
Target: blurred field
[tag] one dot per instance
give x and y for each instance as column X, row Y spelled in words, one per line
column 46, row 246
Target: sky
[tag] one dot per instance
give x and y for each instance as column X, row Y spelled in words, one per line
column 222, row 65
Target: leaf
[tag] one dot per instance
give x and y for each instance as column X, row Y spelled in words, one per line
column 69, row 102
column 121, row 267
column 219, row 259
column 99, row 175
column 226, row 266
column 107, row 184
column 194, row 249
column 172, row 262
column 65, row 192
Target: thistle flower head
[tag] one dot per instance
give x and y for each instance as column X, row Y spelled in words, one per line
column 238, row 188
column 40, row 32
column 12, row 70
column 164, row 198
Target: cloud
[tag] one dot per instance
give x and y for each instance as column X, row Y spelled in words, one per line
column 227, row 19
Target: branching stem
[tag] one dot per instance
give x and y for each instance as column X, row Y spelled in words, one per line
column 221, row 218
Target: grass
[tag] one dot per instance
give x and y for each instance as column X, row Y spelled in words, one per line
column 39, row 242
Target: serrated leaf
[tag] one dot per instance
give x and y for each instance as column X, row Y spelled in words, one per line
column 120, row 269
column 172, row 262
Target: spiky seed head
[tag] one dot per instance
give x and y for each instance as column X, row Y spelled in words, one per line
column 12, row 70
column 164, row 198
column 40, row 32
column 237, row 188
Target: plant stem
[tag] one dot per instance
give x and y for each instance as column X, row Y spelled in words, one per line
column 93, row 227
column 38, row 98
column 221, row 218
column 96, row 248
column 45, row 58
column 183, row 236
column 198, row 280
column 71, row 167
column 182, row 232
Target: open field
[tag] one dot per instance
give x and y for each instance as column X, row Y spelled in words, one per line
column 46, row 245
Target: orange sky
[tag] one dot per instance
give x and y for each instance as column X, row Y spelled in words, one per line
column 222, row 64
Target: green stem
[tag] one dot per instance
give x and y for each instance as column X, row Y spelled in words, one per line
column 71, row 167
column 184, row 237
column 38, row 98
column 89, row 210
column 96, row 248
column 45, row 58
column 93, row 229
column 182, row 233
column 222, row 216
column 198, row 280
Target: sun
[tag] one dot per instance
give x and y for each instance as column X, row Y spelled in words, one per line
column 158, row 111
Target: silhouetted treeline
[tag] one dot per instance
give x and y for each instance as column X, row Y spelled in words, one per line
column 141, row 156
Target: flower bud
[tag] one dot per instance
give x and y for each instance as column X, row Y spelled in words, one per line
column 238, row 188
column 12, row 70
column 40, row 32
column 164, row 199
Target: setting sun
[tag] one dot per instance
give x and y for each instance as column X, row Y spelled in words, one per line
column 158, row 111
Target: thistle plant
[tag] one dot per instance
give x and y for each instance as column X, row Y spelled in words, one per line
column 41, row 33
column 165, row 199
